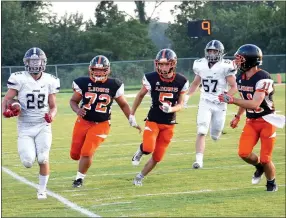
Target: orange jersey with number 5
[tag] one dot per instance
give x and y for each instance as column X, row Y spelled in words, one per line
column 260, row 82
column 97, row 97
column 164, row 92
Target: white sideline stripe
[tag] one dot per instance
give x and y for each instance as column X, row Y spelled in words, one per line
column 52, row 194
column 114, row 203
column 168, row 171
column 186, row 192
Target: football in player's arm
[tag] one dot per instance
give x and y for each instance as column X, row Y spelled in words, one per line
column 167, row 89
column 256, row 89
column 215, row 74
column 92, row 125
column 36, row 94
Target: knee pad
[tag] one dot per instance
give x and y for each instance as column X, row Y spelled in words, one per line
column 43, row 158
column 144, row 152
column 243, row 154
column 157, row 158
column 74, row 156
column 265, row 159
column 28, row 163
column 215, row 135
column 202, row 130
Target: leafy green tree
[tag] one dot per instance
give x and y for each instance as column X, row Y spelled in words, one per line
column 234, row 23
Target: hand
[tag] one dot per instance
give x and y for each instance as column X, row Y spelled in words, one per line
column 234, row 121
column 81, row 112
column 226, row 98
column 166, row 108
column 133, row 123
column 48, row 117
column 8, row 113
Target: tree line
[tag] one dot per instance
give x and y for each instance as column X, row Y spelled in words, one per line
column 117, row 35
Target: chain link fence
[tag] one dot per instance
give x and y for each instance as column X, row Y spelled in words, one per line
column 131, row 72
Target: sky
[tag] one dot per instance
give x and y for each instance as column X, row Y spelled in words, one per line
column 87, row 9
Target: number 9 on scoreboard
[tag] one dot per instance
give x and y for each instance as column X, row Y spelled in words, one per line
column 199, row 28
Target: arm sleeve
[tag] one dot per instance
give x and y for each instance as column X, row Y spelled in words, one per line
column 146, row 83
column 185, row 87
column 195, row 68
column 76, row 88
column 230, row 69
column 14, row 82
column 120, row 91
column 55, row 86
column 264, row 85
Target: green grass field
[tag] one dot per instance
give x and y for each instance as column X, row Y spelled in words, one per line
column 222, row 188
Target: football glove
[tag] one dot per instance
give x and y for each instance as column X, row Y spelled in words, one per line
column 132, row 121
column 15, row 108
column 166, row 108
column 8, row 113
column 226, row 98
column 234, row 121
column 48, row 118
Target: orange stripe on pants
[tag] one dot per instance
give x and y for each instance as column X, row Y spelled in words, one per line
column 156, row 138
column 87, row 136
column 254, row 130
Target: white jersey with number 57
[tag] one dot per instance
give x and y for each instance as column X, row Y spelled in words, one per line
column 33, row 94
column 213, row 79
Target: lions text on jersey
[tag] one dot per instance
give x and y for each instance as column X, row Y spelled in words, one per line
column 33, row 94
column 97, row 98
column 168, row 92
column 213, row 79
column 260, row 81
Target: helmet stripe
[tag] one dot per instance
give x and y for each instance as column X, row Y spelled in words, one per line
column 163, row 53
column 99, row 59
column 34, row 50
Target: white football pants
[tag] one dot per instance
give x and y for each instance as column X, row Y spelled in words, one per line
column 211, row 115
column 34, row 140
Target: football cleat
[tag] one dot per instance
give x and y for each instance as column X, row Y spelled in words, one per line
column 137, row 157
column 197, row 165
column 42, row 195
column 137, row 181
column 77, row 183
column 271, row 187
column 257, row 176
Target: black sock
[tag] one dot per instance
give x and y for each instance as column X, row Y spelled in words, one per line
column 271, row 181
column 258, row 166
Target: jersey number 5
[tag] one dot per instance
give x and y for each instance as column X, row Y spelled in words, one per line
column 100, row 107
column 165, row 95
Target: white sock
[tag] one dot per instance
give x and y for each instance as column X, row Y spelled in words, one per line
column 199, row 157
column 140, row 176
column 43, row 181
column 79, row 175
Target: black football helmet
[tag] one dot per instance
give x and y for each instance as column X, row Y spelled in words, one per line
column 99, row 68
column 216, row 56
column 35, row 60
column 248, row 56
column 165, row 63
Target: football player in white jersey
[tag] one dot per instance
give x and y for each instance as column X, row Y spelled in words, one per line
column 215, row 74
column 36, row 93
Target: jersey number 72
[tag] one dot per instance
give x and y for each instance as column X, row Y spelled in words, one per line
column 100, row 107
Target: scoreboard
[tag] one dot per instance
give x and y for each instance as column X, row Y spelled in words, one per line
column 199, row 28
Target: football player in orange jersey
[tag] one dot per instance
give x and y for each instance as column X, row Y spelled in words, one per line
column 256, row 90
column 92, row 125
column 167, row 89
